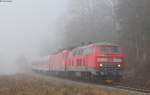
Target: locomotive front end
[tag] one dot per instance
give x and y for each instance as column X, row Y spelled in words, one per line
column 110, row 62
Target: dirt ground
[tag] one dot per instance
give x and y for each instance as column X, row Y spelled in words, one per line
column 29, row 84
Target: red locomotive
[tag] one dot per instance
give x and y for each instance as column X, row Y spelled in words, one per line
column 95, row 61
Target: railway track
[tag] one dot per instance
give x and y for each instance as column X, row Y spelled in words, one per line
column 111, row 86
column 133, row 89
column 139, row 91
column 122, row 87
column 119, row 86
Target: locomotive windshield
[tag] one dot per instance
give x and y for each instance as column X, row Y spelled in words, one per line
column 104, row 50
column 108, row 49
column 115, row 49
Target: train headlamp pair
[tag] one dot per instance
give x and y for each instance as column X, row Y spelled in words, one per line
column 118, row 65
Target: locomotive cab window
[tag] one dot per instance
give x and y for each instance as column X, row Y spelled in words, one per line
column 115, row 49
column 104, row 50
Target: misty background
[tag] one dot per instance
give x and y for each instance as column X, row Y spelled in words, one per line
column 24, row 26
column 31, row 28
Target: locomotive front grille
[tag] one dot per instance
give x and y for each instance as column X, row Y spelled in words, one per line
column 110, row 69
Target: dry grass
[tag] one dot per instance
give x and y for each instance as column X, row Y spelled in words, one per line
column 34, row 85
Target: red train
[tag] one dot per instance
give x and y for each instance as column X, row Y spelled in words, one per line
column 95, row 61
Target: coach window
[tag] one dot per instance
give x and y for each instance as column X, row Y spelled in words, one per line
column 90, row 50
column 81, row 51
column 78, row 52
column 85, row 51
column 74, row 52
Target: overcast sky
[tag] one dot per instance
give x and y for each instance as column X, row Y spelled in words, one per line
column 25, row 24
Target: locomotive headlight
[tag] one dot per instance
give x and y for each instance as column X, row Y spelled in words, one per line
column 119, row 65
column 101, row 65
column 101, row 59
column 117, row 60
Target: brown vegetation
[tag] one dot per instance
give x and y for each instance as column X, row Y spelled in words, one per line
column 35, row 85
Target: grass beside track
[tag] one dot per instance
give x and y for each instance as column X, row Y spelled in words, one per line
column 27, row 84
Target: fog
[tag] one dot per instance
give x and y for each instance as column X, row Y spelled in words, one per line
column 24, row 26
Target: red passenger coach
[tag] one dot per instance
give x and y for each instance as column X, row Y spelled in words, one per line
column 41, row 64
column 58, row 61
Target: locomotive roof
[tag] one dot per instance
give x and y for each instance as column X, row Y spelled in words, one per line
column 93, row 44
column 89, row 45
column 106, row 44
